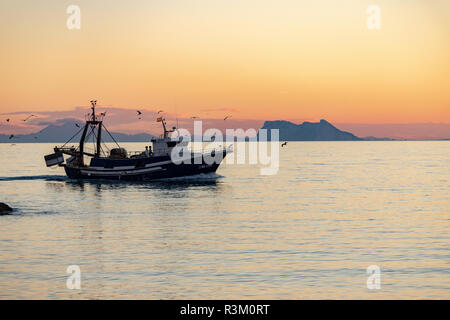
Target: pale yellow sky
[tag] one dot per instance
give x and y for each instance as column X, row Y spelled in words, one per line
column 285, row 59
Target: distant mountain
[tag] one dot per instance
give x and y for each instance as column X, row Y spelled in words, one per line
column 308, row 131
column 62, row 132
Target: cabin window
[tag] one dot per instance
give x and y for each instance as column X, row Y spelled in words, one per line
column 171, row 144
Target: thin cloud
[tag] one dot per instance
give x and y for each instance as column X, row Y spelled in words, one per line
column 220, row 110
column 126, row 120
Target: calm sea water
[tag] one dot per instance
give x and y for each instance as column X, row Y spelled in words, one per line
column 333, row 209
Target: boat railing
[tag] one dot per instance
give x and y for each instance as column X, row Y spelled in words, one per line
column 208, row 149
column 135, row 153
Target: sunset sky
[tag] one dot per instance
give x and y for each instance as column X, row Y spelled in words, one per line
column 255, row 59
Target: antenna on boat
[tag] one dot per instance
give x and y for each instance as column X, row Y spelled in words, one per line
column 93, row 103
column 164, row 126
column 176, row 115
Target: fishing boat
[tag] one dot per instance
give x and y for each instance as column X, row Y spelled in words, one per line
column 155, row 162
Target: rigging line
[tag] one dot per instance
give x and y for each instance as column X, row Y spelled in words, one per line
column 103, row 152
column 106, row 146
column 111, row 136
column 101, row 149
column 88, row 135
column 72, row 137
column 86, row 139
column 95, row 142
column 94, row 138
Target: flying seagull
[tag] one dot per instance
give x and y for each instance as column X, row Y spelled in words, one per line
column 138, row 112
column 226, row 118
column 283, row 144
column 32, row 115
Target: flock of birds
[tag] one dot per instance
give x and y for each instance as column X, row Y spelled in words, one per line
column 139, row 114
column 8, row 120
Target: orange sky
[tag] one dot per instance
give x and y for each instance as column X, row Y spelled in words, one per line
column 286, row 59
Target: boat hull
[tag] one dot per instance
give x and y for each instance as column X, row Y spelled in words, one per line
column 161, row 169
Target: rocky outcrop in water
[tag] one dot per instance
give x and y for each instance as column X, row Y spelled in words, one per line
column 4, row 209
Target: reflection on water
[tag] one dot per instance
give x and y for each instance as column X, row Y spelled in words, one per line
column 310, row 231
column 209, row 181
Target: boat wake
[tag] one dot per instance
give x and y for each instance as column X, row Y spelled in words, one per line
column 202, row 177
column 198, row 178
column 41, row 177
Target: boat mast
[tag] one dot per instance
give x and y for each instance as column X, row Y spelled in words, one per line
column 83, row 136
column 92, row 121
column 165, row 130
column 99, row 139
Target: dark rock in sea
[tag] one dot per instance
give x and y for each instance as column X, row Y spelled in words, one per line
column 4, row 209
column 308, row 131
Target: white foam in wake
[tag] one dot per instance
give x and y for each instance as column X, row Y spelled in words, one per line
column 198, row 177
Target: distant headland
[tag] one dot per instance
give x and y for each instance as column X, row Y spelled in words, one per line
column 64, row 131
column 309, row 131
column 288, row 131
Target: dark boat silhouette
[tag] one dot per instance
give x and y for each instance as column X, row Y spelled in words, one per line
column 118, row 164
